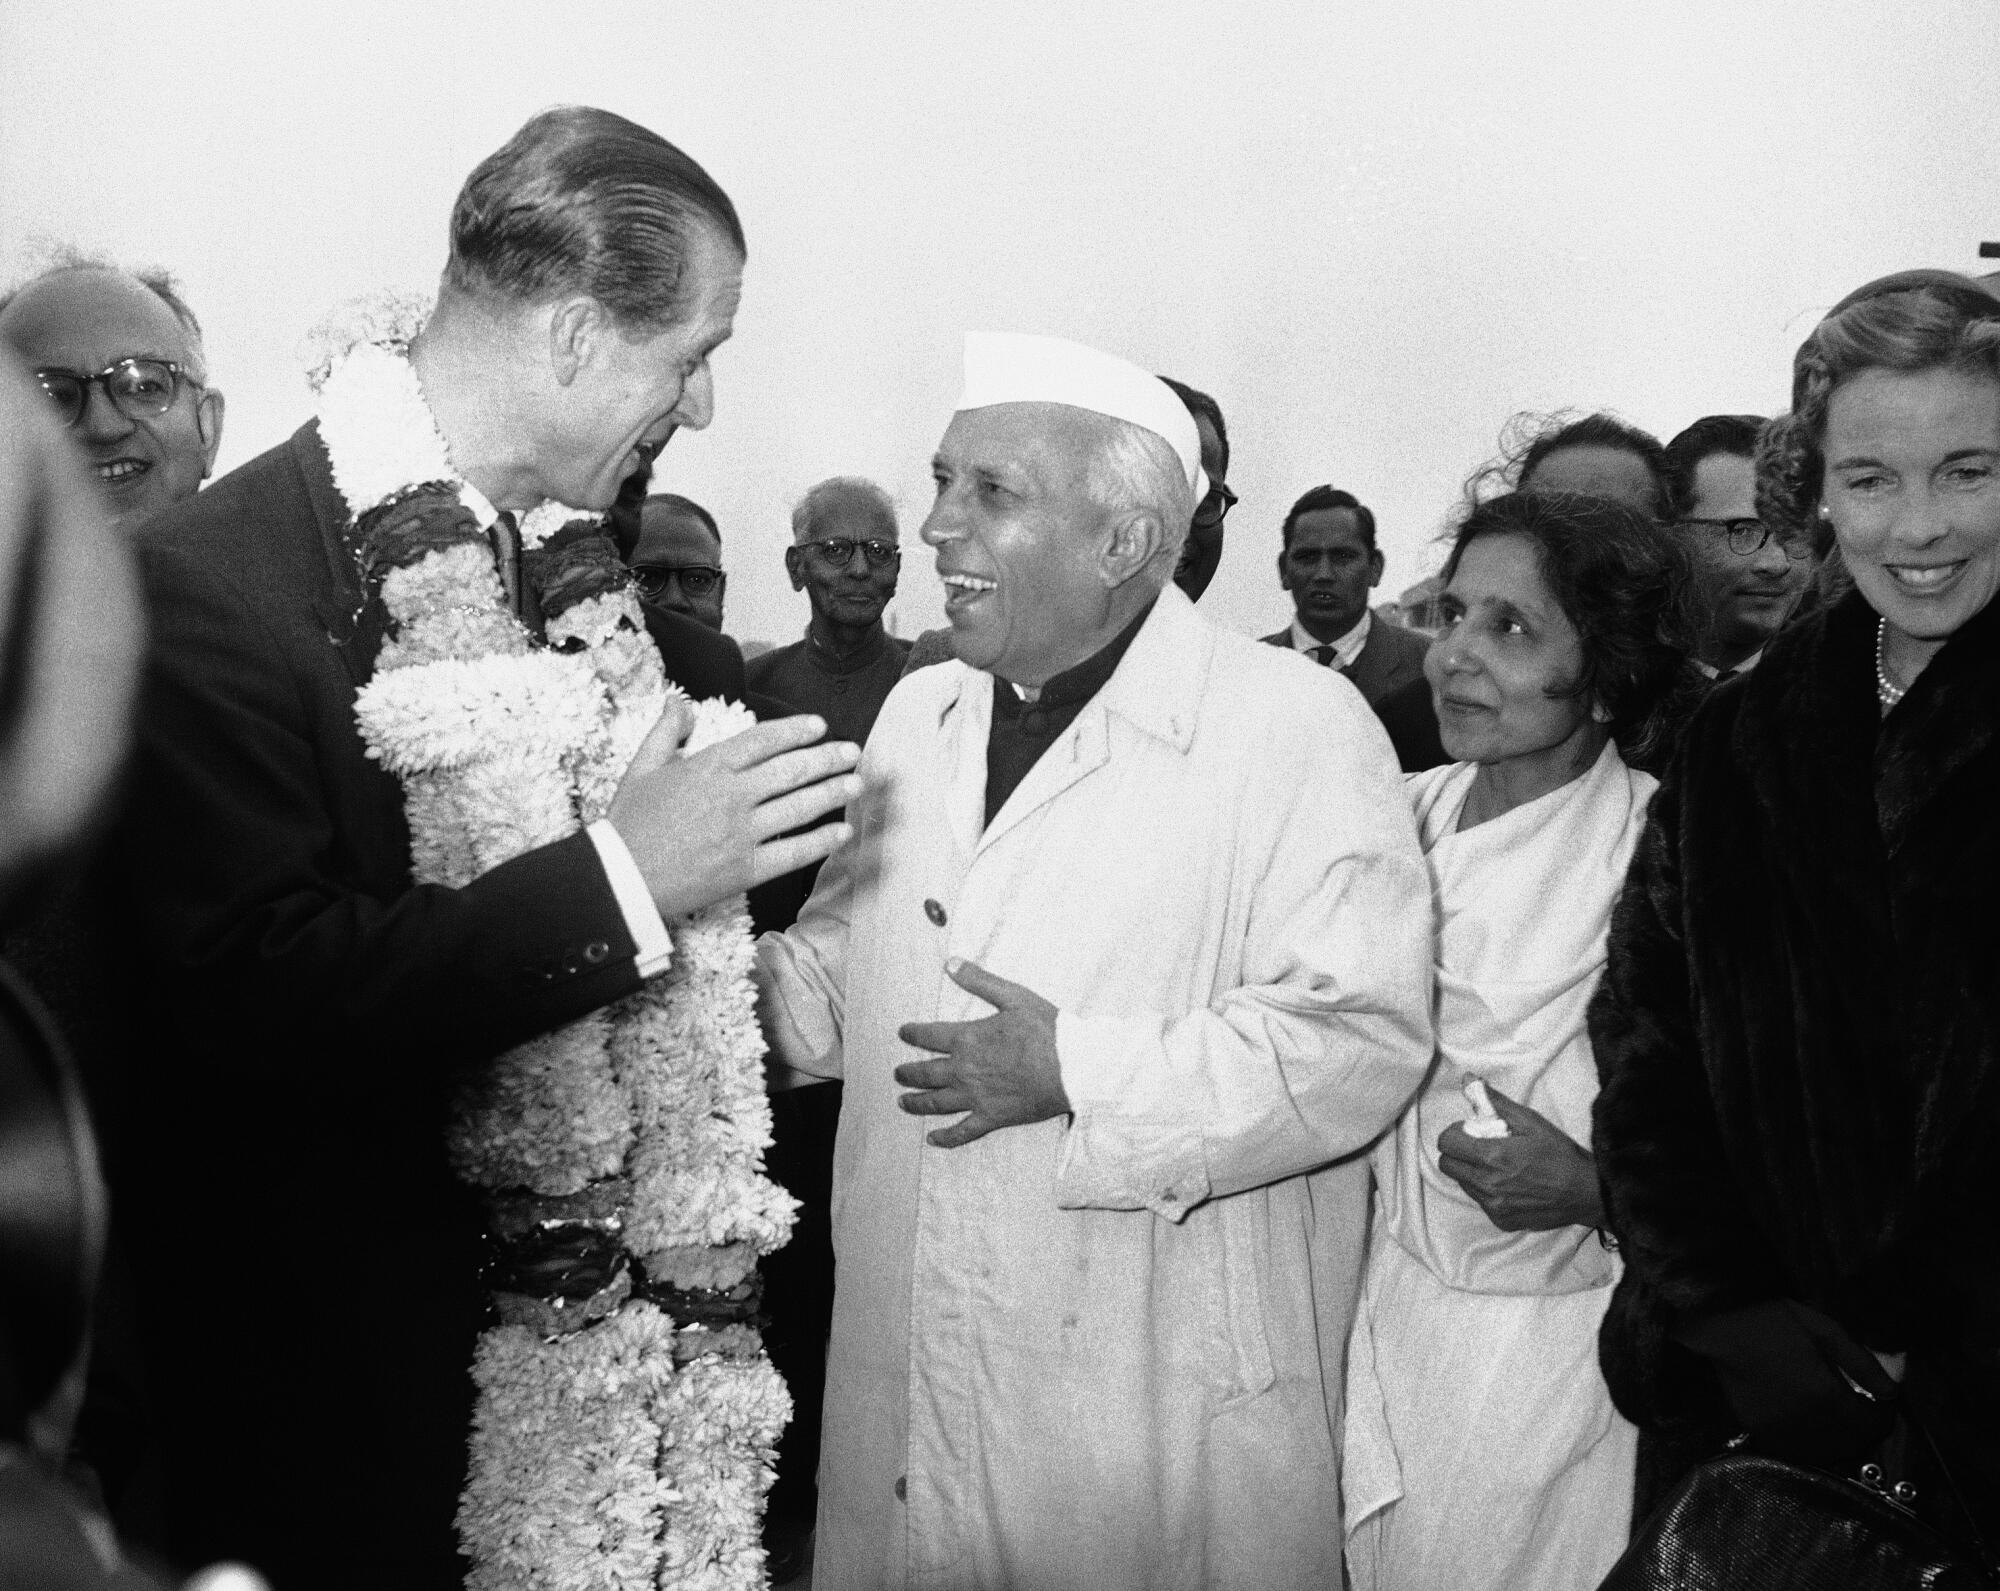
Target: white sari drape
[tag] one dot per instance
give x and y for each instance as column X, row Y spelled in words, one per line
column 1481, row 1448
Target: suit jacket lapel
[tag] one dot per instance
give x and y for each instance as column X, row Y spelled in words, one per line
column 353, row 615
column 1370, row 665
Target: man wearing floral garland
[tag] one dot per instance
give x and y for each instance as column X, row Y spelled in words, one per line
column 1139, row 903
column 311, row 1266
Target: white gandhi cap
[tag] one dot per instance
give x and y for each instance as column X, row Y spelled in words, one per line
column 1012, row 367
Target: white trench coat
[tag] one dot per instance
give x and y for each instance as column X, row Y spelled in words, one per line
column 1105, row 1351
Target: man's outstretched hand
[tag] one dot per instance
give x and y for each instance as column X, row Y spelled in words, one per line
column 701, row 828
column 999, row 1071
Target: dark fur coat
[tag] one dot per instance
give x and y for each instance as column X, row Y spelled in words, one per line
column 1797, row 1034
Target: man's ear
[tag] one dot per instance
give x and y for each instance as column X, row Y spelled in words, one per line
column 208, row 426
column 1285, row 570
column 1133, row 539
column 794, row 566
column 576, row 327
column 1375, row 567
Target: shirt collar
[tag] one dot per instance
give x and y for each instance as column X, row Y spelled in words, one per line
column 828, row 662
column 1075, row 686
column 1346, row 648
column 474, row 500
column 1156, row 686
column 1743, row 667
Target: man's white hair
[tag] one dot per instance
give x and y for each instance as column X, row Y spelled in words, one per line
column 53, row 259
column 848, row 488
column 1134, row 468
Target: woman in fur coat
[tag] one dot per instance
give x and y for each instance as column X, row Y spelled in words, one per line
column 1799, row 1124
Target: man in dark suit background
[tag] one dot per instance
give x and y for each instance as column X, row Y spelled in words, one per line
column 308, row 1264
column 1329, row 563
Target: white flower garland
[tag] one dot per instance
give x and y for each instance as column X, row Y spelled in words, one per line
column 609, row 1449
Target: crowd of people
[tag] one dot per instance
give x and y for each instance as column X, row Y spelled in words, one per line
column 1393, row 1102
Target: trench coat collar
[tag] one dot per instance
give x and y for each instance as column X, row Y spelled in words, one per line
column 1157, row 688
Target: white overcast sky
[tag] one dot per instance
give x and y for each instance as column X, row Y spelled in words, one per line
column 1372, row 229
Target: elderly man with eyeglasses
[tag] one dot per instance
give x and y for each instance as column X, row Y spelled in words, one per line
column 845, row 558
column 120, row 358
column 1750, row 577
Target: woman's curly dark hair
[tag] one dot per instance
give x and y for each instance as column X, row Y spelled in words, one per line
column 1627, row 586
column 1911, row 321
column 1528, row 438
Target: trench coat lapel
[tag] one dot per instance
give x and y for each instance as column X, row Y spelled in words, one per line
column 965, row 722
column 1155, row 688
column 1081, row 750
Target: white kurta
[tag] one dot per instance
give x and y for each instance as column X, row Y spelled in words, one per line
column 1482, row 1449
column 1105, row 1351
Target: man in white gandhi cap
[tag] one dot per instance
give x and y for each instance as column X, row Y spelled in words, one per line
column 1131, row 948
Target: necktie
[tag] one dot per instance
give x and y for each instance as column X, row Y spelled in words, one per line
column 506, row 534
column 1324, row 655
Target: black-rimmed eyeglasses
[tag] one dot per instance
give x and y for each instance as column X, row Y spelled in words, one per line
column 1213, row 509
column 139, row 389
column 696, row 579
column 1747, row 536
column 836, row 552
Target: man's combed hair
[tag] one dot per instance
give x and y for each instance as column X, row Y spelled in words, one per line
column 849, row 488
column 1529, row 438
column 583, row 201
column 1909, row 322
column 683, row 505
column 1731, row 435
column 1626, row 588
column 1321, row 498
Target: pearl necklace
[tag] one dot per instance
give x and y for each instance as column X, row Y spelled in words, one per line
column 1887, row 691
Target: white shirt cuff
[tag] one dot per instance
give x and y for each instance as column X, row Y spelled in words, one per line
column 635, row 902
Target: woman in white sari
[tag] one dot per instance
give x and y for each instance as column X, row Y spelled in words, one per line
column 1481, row 1447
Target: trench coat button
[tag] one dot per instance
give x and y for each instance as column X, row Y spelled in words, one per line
column 596, row 951
column 902, row 1488
column 935, row 913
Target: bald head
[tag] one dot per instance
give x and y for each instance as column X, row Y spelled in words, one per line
column 84, row 320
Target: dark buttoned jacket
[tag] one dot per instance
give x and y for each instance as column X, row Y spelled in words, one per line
column 1389, row 673
column 1391, row 657
column 307, row 1262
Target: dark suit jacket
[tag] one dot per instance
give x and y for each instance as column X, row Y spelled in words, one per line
column 1391, row 657
column 703, row 662
column 308, row 1262
column 1389, row 673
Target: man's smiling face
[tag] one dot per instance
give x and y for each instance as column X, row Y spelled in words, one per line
column 1018, row 535
column 86, row 320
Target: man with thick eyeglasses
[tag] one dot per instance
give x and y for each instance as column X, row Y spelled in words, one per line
column 120, row 359
column 1749, row 579
column 844, row 556
column 677, row 562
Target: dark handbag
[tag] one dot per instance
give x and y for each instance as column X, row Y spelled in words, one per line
column 1743, row 1521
